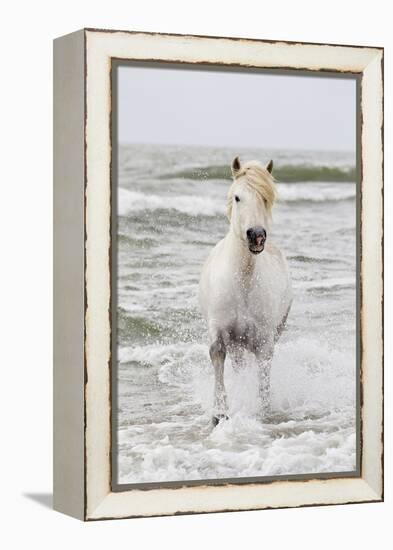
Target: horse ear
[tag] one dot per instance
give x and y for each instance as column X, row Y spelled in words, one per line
column 235, row 166
column 269, row 166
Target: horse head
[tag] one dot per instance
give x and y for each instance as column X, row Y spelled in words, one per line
column 250, row 201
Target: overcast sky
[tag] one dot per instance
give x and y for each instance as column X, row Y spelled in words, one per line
column 172, row 106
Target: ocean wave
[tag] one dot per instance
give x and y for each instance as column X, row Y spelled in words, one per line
column 138, row 326
column 158, row 354
column 301, row 258
column 192, row 205
column 303, row 192
column 195, row 205
column 307, row 452
column 312, row 428
column 327, row 284
column 304, row 374
column 284, row 173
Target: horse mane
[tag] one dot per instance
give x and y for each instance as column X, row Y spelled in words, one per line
column 259, row 180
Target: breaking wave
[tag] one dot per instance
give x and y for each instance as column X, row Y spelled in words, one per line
column 311, row 429
column 134, row 201
column 195, row 205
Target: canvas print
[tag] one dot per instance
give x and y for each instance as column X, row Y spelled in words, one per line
column 234, row 275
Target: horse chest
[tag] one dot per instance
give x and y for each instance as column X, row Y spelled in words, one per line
column 252, row 299
column 248, row 317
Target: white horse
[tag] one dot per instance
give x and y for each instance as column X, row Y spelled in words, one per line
column 245, row 295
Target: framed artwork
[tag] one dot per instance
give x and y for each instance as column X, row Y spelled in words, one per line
column 218, row 271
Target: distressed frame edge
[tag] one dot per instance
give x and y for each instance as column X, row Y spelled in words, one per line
column 374, row 496
column 236, row 38
column 104, row 510
column 372, row 267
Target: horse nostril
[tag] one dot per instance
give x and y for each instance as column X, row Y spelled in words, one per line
column 256, row 233
column 260, row 233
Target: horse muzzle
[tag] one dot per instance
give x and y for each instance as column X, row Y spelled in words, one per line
column 256, row 238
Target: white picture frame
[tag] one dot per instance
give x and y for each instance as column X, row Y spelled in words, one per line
column 82, row 259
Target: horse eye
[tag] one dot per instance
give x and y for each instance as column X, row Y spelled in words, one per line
column 237, row 198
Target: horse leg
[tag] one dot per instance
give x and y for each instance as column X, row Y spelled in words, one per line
column 264, row 359
column 281, row 326
column 237, row 358
column 217, row 355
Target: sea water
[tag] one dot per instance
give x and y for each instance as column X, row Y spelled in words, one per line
column 171, row 212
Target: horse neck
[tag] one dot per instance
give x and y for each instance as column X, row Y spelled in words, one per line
column 242, row 260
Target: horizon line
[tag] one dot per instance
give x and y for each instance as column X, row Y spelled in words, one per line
column 275, row 148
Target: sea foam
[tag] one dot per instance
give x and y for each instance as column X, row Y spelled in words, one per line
column 311, row 427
